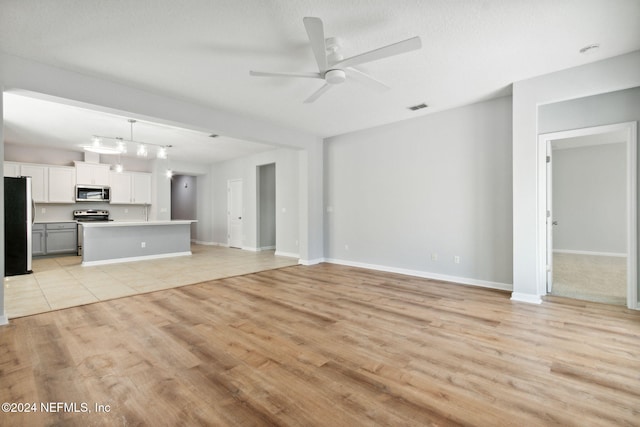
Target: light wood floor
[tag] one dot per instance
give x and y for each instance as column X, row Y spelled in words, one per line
column 326, row 345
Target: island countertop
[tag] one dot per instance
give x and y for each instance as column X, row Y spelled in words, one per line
column 96, row 224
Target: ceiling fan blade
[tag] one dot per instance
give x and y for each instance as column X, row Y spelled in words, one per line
column 285, row 74
column 315, row 95
column 408, row 45
column 315, row 31
column 367, row 80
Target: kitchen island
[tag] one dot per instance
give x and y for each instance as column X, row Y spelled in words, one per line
column 124, row 241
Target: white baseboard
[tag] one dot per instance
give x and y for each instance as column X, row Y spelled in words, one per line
column 250, row 249
column 4, row 320
column 311, row 261
column 201, row 242
column 570, row 251
column 528, row 298
column 425, row 274
column 287, row 254
column 135, row 258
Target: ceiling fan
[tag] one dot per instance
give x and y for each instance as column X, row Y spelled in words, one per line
column 333, row 68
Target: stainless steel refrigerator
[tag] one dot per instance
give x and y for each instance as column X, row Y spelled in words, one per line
column 18, row 217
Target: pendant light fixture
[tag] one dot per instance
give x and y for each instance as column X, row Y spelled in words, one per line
column 118, row 146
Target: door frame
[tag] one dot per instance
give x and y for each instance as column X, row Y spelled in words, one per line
column 549, row 216
column 229, row 202
column 544, row 142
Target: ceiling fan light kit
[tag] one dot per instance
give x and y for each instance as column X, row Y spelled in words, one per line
column 335, row 77
column 333, row 68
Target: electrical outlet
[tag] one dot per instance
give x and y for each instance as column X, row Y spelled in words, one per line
column 434, row 257
column 143, row 244
column 456, row 259
column 346, row 247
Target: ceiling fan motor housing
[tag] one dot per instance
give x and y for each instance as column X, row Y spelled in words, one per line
column 335, row 77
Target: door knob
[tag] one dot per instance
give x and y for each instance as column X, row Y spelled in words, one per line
column 555, row 223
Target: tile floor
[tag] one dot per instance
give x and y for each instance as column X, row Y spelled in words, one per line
column 62, row 282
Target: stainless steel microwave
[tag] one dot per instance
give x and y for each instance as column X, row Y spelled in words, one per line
column 92, row 193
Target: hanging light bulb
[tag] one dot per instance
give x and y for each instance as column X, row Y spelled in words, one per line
column 95, row 141
column 142, row 151
column 122, row 147
column 162, row 153
column 169, row 172
column 119, row 168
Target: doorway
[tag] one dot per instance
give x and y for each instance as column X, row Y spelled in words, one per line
column 266, row 221
column 589, row 213
column 184, row 200
column 234, row 213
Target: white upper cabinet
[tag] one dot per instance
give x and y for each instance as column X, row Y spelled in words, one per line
column 49, row 184
column 92, row 174
column 62, row 182
column 39, row 181
column 12, row 169
column 130, row 187
column 120, row 183
column 56, row 184
column 141, row 188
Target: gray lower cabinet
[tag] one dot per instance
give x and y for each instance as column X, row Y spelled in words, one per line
column 55, row 238
column 38, row 245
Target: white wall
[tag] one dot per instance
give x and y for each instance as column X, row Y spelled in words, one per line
column 595, row 78
column 596, row 110
column 287, row 199
column 438, row 184
column 15, row 152
column 589, row 199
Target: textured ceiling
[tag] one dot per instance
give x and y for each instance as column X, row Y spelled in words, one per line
column 201, row 51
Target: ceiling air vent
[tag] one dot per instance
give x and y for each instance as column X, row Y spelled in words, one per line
column 418, row 107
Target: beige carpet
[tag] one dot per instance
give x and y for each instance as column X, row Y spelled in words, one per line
column 591, row 278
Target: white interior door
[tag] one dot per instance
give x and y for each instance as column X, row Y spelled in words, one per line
column 550, row 221
column 234, row 213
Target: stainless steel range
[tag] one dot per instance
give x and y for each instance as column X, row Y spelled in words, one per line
column 88, row 215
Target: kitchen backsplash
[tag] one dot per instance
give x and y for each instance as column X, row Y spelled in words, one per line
column 64, row 212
